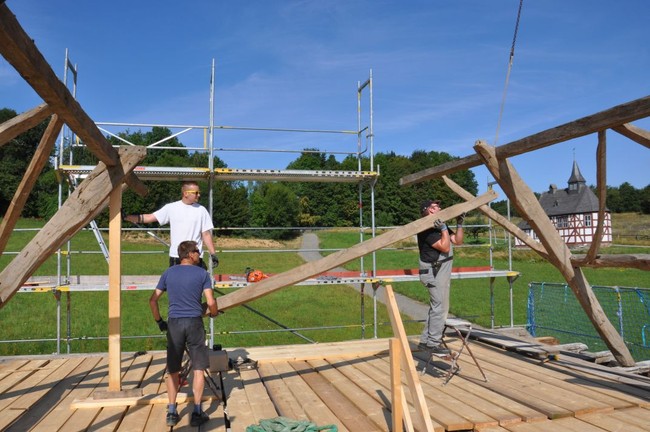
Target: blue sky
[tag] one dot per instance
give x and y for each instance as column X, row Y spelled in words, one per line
column 439, row 70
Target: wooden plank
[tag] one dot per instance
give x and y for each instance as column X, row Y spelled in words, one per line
column 375, row 411
column 509, row 387
column 559, row 254
column 573, row 424
column 41, row 414
column 345, row 349
column 346, row 412
column 239, row 408
column 439, row 393
column 636, row 416
column 136, row 416
column 114, row 290
column 439, row 415
column 612, row 421
column 8, row 367
column 625, row 385
column 30, row 389
column 81, row 419
column 634, row 133
column 21, row 52
column 610, row 118
column 40, row 158
column 589, row 389
column 114, row 409
column 555, row 402
column 538, row 388
column 545, row 426
column 260, row 404
column 314, row 407
column 37, row 385
column 80, row 208
column 19, row 374
column 490, row 413
column 310, row 269
column 23, row 122
column 374, row 389
column 422, row 418
column 284, row 401
column 397, row 399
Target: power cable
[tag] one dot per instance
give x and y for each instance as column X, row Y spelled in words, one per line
column 510, row 61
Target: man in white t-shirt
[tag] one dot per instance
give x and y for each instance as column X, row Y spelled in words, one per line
column 187, row 219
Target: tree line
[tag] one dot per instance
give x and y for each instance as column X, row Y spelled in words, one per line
column 238, row 204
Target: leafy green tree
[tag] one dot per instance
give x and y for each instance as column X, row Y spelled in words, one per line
column 614, row 202
column 645, row 200
column 274, row 205
column 16, row 156
column 630, row 198
column 323, row 203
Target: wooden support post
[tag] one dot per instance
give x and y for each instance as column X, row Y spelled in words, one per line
column 559, row 254
column 28, row 181
column 422, row 420
column 114, row 290
column 397, row 409
column 601, row 170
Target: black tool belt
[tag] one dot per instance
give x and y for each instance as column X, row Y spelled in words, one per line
column 435, row 266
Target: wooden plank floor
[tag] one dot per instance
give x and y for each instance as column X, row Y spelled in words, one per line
column 346, row 384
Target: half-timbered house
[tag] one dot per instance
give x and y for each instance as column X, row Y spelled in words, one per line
column 573, row 211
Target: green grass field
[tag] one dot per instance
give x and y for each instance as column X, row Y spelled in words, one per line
column 33, row 316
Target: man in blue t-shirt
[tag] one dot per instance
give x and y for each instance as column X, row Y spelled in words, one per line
column 185, row 284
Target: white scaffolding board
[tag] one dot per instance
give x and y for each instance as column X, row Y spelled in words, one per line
column 231, row 174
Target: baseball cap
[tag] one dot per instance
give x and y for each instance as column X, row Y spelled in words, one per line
column 426, row 203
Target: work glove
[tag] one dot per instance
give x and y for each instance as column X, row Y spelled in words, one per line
column 439, row 224
column 215, row 260
column 460, row 219
column 162, row 325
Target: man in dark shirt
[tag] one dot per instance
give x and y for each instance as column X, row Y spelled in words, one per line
column 436, row 257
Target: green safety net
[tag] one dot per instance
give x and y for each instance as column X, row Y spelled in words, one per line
column 283, row 424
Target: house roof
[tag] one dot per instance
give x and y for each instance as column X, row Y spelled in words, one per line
column 575, row 199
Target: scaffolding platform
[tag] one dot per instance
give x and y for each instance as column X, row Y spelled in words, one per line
column 231, row 174
column 143, row 283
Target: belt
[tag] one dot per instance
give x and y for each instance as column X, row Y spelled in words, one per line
column 435, row 266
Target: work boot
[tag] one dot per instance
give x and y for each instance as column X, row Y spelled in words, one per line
column 199, row 418
column 172, row 418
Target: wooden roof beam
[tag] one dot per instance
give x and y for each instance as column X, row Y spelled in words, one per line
column 634, row 133
column 637, row 261
column 23, row 122
column 36, row 165
column 559, row 254
column 611, row 118
column 19, row 50
column 83, row 205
